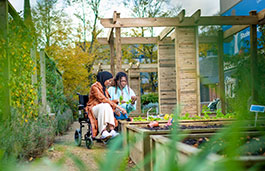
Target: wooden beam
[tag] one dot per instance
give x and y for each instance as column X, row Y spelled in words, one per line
column 221, row 70
column 142, row 67
column 109, row 34
column 131, row 40
column 118, row 46
column 254, row 61
column 112, row 54
column 5, row 98
column 114, row 17
column 181, row 16
column 172, row 22
column 235, row 29
column 165, row 32
column 111, row 29
column 168, row 30
column 196, row 16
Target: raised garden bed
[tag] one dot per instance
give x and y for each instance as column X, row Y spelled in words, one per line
column 192, row 143
column 201, row 122
column 138, row 138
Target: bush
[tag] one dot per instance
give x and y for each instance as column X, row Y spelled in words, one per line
column 25, row 139
column 149, row 98
column 63, row 121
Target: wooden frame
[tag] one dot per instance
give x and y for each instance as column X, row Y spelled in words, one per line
column 240, row 22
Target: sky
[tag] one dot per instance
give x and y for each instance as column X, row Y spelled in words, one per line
column 208, row 8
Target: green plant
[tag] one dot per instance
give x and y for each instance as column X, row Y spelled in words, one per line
column 149, row 98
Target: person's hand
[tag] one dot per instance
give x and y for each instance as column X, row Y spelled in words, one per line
column 117, row 112
column 134, row 98
column 123, row 102
column 122, row 110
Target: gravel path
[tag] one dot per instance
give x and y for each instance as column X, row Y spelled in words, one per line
column 65, row 155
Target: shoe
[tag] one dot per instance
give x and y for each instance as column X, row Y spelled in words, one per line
column 105, row 136
column 114, row 133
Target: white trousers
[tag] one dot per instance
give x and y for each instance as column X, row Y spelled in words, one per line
column 104, row 114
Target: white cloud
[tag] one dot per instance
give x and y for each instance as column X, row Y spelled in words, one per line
column 208, row 7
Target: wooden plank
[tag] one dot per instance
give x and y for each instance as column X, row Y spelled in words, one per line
column 118, row 47
column 115, row 14
column 112, row 54
column 174, row 22
column 221, row 70
column 130, row 40
column 154, row 40
column 254, row 61
column 187, row 88
column 235, row 29
column 181, row 15
column 166, row 77
column 165, row 32
column 198, row 93
column 196, row 16
column 110, row 33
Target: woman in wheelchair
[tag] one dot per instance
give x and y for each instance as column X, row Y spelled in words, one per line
column 124, row 94
column 100, row 108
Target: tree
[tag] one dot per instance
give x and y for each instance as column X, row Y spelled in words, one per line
column 94, row 31
column 53, row 27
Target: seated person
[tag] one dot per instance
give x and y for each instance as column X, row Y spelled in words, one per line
column 100, row 108
column 124, row 94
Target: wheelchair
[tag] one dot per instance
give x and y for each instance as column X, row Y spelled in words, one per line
column 83, row 121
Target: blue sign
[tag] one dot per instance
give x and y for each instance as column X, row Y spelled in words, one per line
column 257, row 108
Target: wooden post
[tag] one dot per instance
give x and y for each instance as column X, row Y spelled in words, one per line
column 166, row 77
column 221, row 70
column 253, row 60
column 112, row 54
column 118, row 46
column 134, row 82
column 187, row 70
column 5, row 92
column 43, row 82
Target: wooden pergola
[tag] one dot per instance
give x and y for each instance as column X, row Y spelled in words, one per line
column 178, row 59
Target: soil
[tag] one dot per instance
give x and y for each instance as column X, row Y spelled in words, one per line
column 184, row 127
column 253, row 146
column 64, row 151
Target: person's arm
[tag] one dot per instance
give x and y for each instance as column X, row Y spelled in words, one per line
column 131, row 106
column 103, row 99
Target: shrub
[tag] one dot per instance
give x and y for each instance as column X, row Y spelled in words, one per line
column 149, row 98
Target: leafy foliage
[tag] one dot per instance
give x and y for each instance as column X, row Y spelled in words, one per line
column 149, row 98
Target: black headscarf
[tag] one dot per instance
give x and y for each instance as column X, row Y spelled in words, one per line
column 102, row 77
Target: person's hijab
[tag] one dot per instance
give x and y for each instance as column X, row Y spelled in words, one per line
column 102, row 77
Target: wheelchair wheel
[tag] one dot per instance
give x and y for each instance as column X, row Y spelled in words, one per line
column 89, row 142
column 78, row 137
